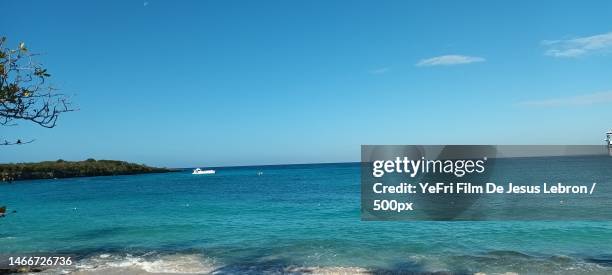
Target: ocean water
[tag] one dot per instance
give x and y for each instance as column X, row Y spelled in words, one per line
column 291, row 219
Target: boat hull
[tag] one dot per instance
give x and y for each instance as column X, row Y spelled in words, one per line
column 203, row 172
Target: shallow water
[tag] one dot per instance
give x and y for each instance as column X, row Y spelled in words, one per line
column 290, row 219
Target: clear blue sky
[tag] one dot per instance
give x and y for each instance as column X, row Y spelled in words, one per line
column 213, row 83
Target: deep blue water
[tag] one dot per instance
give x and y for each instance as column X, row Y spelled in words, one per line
column 288, row 219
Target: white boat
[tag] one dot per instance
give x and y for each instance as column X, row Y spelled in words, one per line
column 199, row 171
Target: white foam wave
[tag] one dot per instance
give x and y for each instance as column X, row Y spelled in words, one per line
column 194, row 263
column 130, row 264
column 339, row 270
column 183, row 264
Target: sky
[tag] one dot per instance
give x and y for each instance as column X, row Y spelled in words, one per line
column 221, row 83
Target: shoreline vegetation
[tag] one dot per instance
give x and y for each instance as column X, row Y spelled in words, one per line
column 70, row 169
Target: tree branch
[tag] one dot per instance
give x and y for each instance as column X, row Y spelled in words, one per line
column 24, row 93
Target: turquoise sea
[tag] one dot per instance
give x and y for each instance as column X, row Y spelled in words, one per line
column 290, row 219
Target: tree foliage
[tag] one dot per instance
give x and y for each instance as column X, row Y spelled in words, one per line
column 67, row 169
column 25, row 94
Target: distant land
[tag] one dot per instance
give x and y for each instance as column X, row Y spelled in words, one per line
column 71, row 169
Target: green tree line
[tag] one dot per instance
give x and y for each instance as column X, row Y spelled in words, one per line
column 69, row 169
